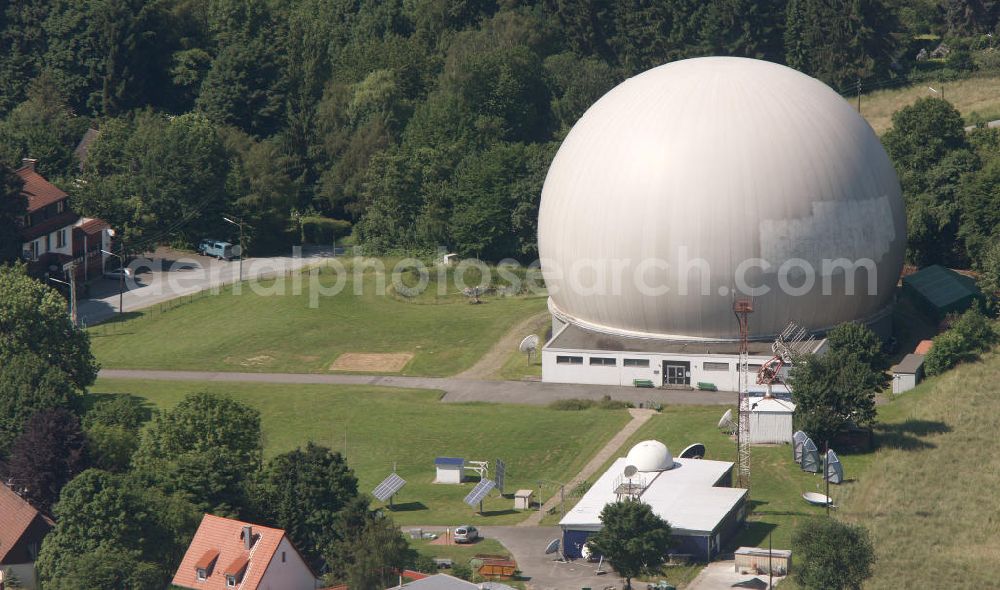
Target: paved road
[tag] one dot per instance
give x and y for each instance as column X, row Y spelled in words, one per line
column 545, row 572
column 167, row 274
column 456, row 390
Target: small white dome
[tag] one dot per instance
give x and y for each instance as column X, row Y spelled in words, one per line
column 650, row 455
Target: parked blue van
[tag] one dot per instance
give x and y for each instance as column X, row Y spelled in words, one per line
column 216, row 248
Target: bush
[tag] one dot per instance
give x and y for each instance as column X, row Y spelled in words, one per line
column 949, row 349
column 832, row 555
column 323, row 230
column 461, row 570
column 975, row 329
column 574, row 404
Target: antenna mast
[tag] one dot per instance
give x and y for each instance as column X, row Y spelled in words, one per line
column 742, row 308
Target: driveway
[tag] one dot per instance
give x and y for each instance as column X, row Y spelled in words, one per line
column 166, row 274
column 721, row 575
column 456, row 390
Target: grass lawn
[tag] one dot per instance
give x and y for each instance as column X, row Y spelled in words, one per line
column 382, row 426
column 980, row 94
column 282, row 333
column 929, row 496
column 517, row 367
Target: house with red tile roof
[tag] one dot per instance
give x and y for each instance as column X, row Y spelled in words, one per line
column 22, row 529
column 227, row 553
column 54, row 237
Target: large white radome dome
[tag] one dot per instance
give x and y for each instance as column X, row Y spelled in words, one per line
column 722, row 159
column 650, row 455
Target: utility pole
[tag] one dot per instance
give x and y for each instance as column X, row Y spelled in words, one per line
column 72, row 292
column 121, row 276
column 239, row 222
column 859, row 96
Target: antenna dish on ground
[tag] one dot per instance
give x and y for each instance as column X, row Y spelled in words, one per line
column 552, row 547
column 529, row 345
column 631, row 470
column 726, row 422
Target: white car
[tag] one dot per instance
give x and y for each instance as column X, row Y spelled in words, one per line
column 466, row 534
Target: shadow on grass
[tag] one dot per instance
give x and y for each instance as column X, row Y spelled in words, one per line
column 755, row 534
column 407, row 507
column 497, row 512
column 110, row 327
column 907, row 435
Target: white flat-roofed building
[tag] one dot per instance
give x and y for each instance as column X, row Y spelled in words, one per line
column 693, row 496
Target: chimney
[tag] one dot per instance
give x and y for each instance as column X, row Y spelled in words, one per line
column 29, row 163
column 247, row 537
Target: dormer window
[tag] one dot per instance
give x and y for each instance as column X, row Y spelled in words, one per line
column 230, row 581
column 203, row 569
column 202, row 574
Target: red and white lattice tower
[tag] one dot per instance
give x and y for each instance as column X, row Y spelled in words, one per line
column 742, row 308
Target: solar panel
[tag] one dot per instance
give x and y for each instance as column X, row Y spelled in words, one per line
column 389, row 487
column 479, row 492
column 501, row 472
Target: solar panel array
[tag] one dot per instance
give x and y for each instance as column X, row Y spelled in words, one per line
column 501, row 472
column 479, row 492
column 389, row 487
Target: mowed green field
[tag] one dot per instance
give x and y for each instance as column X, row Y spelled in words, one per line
column 930, row 495
column 283, row 333
column 380, row 427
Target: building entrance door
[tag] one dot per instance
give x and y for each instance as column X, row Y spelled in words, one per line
column 676, row 373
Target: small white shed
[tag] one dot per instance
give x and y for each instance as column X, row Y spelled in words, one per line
column 907, row 373
column 770, row 420
column 449, row 469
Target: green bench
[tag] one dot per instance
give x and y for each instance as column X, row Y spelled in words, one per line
column 707, row 386
column 643, row 383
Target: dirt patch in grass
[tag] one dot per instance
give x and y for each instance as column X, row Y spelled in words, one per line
column 390, row 362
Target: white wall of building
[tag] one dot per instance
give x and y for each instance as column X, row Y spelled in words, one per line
column 770, row 428
column 449, row 474
column 902, row 382
column 288, row 573
column 554, row 371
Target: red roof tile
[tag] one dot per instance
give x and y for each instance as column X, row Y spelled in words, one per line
column 225, row 536
column 924, row 347
column 39, row 191
column 93, row 225
column 16, row 515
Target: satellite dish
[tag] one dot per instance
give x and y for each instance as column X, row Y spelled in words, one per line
column 727, row 419
column 631, row 470
column 695, row 451
column 552, row 547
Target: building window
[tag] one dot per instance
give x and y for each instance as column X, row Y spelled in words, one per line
column 61, row 238
column 60, row 206
column 636, row 362
column 48, row 242
column 34, row 250
column 715, row 366
column 603, row 361
column 202, row 575
column 569, row 360
column 230, row 581
column 753, row 368
column 282, row 557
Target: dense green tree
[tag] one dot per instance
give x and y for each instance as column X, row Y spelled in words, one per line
column 33, row 320
column 576, row 84
column 13, row 206
column 29, row 384
column 303, row 492
column 205, row 448
column 831, row 390
column 833, row 555
column 100, row 514
column 948, row 350
column 23, row 40
column 979, row 200
column 841, row 42
column 44, row 128
column 372, row 549
column 633, row 539
column 48, row 453
column 989, row 269
column 860, row 341
column 112, row 428
column 923, row 133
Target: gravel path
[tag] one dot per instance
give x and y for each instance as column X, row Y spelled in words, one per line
column 490, row 364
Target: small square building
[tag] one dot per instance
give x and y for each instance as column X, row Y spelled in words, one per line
column 449, row 469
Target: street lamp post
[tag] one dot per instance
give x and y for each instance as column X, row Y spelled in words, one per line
column 121, row 277
column 239, row 223
column 72, row 293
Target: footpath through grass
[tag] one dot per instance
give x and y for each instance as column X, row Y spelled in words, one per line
column 281, row 332
column 380, row 427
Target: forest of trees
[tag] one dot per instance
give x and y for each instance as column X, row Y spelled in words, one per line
column 421, row 122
